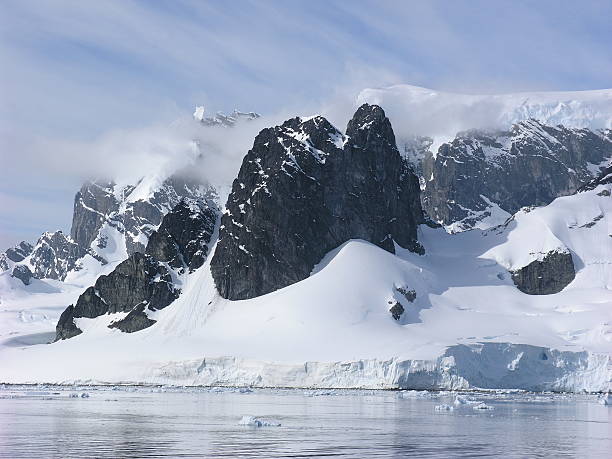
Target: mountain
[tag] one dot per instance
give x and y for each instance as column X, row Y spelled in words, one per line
column 303, row 190
column 322, row 270
column 110, row 222
column 482, row 177
column 440, row 115
column 113, row 218
column 146, row 281
column 480, row 158
column 221, row 119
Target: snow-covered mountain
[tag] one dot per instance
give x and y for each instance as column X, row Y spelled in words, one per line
column 482, row 177
column 441, row 115
column 323, row 270
column 221, row 119
column 110, row 222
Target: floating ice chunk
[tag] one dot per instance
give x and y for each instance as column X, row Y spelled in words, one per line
column 443, row 407
column 461, row 400
column 319, row 393
column 482, row 406
column 416, row 394
column 256, row 422
column 606, row 400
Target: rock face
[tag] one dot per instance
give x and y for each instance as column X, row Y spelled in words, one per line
column 93, row 203
column 547, row 276
column 135, row 211
column 604, row 178
column 480, row 174
column 303, row 190
column 54, row 255
column 144, row 282
column 19, row 252
column 183, row 236
column 138, row 281
column 23, row 273
column 15, row 255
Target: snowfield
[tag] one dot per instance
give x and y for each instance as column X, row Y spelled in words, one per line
column 468, row 327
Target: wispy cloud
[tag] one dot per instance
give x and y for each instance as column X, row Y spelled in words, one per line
column 72, row 71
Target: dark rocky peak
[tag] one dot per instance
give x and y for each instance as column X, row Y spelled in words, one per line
column 182, row 238
column 296, row 143
column 370, row 129
column 135, row 210
column 19, row 252
column 137, row 285
column 146, row 282
column 23, row 273
column 303, row 190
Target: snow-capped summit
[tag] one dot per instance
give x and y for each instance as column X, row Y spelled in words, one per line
column 198, row 114
column 221, row 119
column 438, row 113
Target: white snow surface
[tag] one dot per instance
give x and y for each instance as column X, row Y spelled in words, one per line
column 468, row 327
column 440, row 115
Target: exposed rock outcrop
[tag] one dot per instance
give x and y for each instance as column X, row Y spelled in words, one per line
column 604, row 178
column 183, row 236
column 303, row 190
column 138, row 281
column 480, row 174
column 144, row 282
column 93, row 203
column 396, row 310
column 549, row 275
column 19, row 252
column 23, row 273
column 54, row 255
column 133, row 210
column 14, row 255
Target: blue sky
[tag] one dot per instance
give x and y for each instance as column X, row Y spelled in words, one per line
column 77, row 70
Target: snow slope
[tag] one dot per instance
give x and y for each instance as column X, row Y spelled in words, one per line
column 469, row 326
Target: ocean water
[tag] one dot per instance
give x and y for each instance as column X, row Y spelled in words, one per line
column 146, row 422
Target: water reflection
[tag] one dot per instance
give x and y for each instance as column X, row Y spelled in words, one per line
column 145, row 424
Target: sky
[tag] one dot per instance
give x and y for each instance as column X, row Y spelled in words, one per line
column 86, row 83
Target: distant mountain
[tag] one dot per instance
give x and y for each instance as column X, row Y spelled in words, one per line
column 482, row 177
column 110, row 222
column 436, row 114
column 221, row 119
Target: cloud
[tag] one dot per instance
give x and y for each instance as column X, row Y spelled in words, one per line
column 82, row 82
